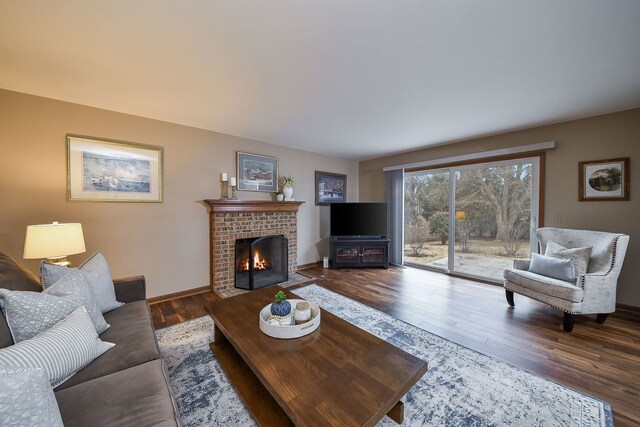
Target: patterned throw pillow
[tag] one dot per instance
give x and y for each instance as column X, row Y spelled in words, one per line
column 580, row 256
column 30, row 313
column 74, row 282
column 97, row 273
column 26, row 398
column 61, row 351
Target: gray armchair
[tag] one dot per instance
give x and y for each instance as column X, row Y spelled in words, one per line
column 593, row 292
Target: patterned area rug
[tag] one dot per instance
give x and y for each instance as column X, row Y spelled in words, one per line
column 461, row 388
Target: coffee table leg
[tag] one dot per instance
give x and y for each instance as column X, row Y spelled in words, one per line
column 397, row 412
column 218, row 336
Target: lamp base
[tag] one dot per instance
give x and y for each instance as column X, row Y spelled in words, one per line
column 61, row 261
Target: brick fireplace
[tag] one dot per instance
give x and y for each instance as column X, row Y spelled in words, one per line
column 241, row 219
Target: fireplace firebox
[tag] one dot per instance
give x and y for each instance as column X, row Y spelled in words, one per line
column 261, row 261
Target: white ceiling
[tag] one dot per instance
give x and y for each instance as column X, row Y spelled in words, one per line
column 355, row 78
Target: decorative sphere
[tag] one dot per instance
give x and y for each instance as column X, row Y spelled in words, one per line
column 282, row 308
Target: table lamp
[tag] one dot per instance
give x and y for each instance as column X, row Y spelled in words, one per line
column 54, row 242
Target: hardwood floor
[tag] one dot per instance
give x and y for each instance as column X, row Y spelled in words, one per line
column 599, row 360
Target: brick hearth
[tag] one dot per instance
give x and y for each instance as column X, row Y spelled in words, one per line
column 239, row 219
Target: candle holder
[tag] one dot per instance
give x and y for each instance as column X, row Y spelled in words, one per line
column 233, row 193
column 225, row 190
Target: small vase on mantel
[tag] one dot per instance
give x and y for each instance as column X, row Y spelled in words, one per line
column 287, row 186
column 288, row 192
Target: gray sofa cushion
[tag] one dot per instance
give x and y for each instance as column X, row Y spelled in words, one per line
column 132, row 332
column 138, row 396
column 16, row 278
column 545, row 285
column 5, row 333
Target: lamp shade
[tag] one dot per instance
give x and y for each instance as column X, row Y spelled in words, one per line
column 53, row 240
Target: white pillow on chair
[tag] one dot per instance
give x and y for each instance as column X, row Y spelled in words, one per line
column 561, row 269
column 580, row 256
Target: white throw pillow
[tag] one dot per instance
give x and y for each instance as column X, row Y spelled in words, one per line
column 97, row 273
column 561, row 269
column 30, row 313
column 26, row 398
column 580, row 256
column 61, row 351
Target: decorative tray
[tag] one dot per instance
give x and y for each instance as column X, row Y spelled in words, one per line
column 292, row 331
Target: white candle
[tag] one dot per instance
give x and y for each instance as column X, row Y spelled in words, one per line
column 233, row 181
column 223, row 177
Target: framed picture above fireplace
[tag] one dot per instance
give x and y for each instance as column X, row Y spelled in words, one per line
column 330, row 188
column 257, row 173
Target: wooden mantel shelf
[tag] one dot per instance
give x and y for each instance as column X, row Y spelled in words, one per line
column 222, row 205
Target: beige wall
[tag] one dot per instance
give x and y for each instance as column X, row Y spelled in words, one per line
column 167, row 242
column 602, row 137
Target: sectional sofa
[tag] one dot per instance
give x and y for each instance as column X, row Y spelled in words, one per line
column 126, row 386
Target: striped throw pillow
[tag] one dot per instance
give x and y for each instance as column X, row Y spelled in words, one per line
column 61, row 351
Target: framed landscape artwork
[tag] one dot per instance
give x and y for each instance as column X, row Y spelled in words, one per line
column 257, row 173
column 330, row 188
column 604, row 179
column 112, row 171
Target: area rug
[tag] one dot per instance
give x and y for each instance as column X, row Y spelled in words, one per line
column 461, row 388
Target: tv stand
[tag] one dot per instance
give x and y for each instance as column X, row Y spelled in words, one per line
column 359, row 251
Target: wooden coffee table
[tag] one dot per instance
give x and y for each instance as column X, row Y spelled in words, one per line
column 337, row 375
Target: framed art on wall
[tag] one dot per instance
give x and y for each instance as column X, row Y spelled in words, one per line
column 604, row 179
column 330, row 188
column 257, row 173
column 112, row 171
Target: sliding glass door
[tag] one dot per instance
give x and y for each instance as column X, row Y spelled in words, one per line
column 472, row 220
column 426, row 219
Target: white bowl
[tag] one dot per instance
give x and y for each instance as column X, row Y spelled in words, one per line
column 292, row 331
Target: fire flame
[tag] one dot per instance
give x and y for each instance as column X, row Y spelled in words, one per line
column 258, row 263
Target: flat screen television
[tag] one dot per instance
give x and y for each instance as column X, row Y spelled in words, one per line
column 358, row 219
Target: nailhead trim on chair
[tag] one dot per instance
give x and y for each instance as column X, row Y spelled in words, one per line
column 613, row 261
column 544, row 302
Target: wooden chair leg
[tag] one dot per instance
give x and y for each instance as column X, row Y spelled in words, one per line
column 568, row 322
column 601, row 318
column 509, row 295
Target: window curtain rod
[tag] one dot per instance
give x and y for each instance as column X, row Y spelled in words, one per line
column 548, row 145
